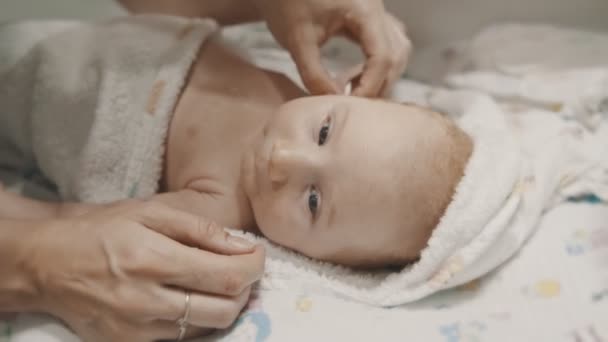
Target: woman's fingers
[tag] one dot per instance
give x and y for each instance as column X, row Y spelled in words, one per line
column 169, row 331
column 206, row 310
column 305, row 51
column 199, row 267
column 401, row 51
column 376, row 47
column 191, row 230
column 303, row 26
column 128, row 256
column 386, row 47
column 201, row 271
column 138, row 331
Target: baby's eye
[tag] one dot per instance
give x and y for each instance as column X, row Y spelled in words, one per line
column 324, row 132
column 313, row 201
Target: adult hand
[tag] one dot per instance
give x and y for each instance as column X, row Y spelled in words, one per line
column 120, row 273
column 303, row 26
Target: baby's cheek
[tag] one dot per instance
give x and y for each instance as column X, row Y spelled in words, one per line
column 271, row 220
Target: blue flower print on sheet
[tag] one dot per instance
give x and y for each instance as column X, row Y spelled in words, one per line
column 463, row 331
column 254, row 325
column 582, row 241
column 474, row 330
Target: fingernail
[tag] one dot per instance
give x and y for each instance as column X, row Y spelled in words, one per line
column 240, row 242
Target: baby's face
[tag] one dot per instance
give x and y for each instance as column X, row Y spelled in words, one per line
column 329, row 178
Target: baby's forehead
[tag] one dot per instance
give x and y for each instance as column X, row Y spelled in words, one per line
column 374, row 170
column 370, row 181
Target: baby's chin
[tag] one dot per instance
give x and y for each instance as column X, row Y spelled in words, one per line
column 261, row 226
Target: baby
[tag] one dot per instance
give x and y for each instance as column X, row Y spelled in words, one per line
column 162, row 108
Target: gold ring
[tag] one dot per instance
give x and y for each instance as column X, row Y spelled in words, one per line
column 182, row 323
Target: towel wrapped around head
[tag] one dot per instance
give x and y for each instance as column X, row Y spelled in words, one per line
column 514, row 173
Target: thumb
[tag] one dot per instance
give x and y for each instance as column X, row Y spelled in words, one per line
column 306, row 53
column 192, row 230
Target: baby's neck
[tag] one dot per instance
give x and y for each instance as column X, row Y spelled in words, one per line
column 221, row 112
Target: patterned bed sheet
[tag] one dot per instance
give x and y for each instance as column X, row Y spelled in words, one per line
column 555, row 289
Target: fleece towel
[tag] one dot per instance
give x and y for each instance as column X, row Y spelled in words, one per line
column 521, row 166
column 89, row 104
column 532, row 151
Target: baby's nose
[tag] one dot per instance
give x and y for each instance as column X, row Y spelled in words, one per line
column 287, row 161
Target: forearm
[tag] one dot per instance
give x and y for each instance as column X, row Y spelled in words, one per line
column 226, row 12
column 18, row 291
column 16, row 207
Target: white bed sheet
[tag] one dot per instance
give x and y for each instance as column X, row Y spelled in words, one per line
column 555, row 289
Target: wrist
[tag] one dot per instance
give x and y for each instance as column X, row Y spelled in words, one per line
column 19, row 291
